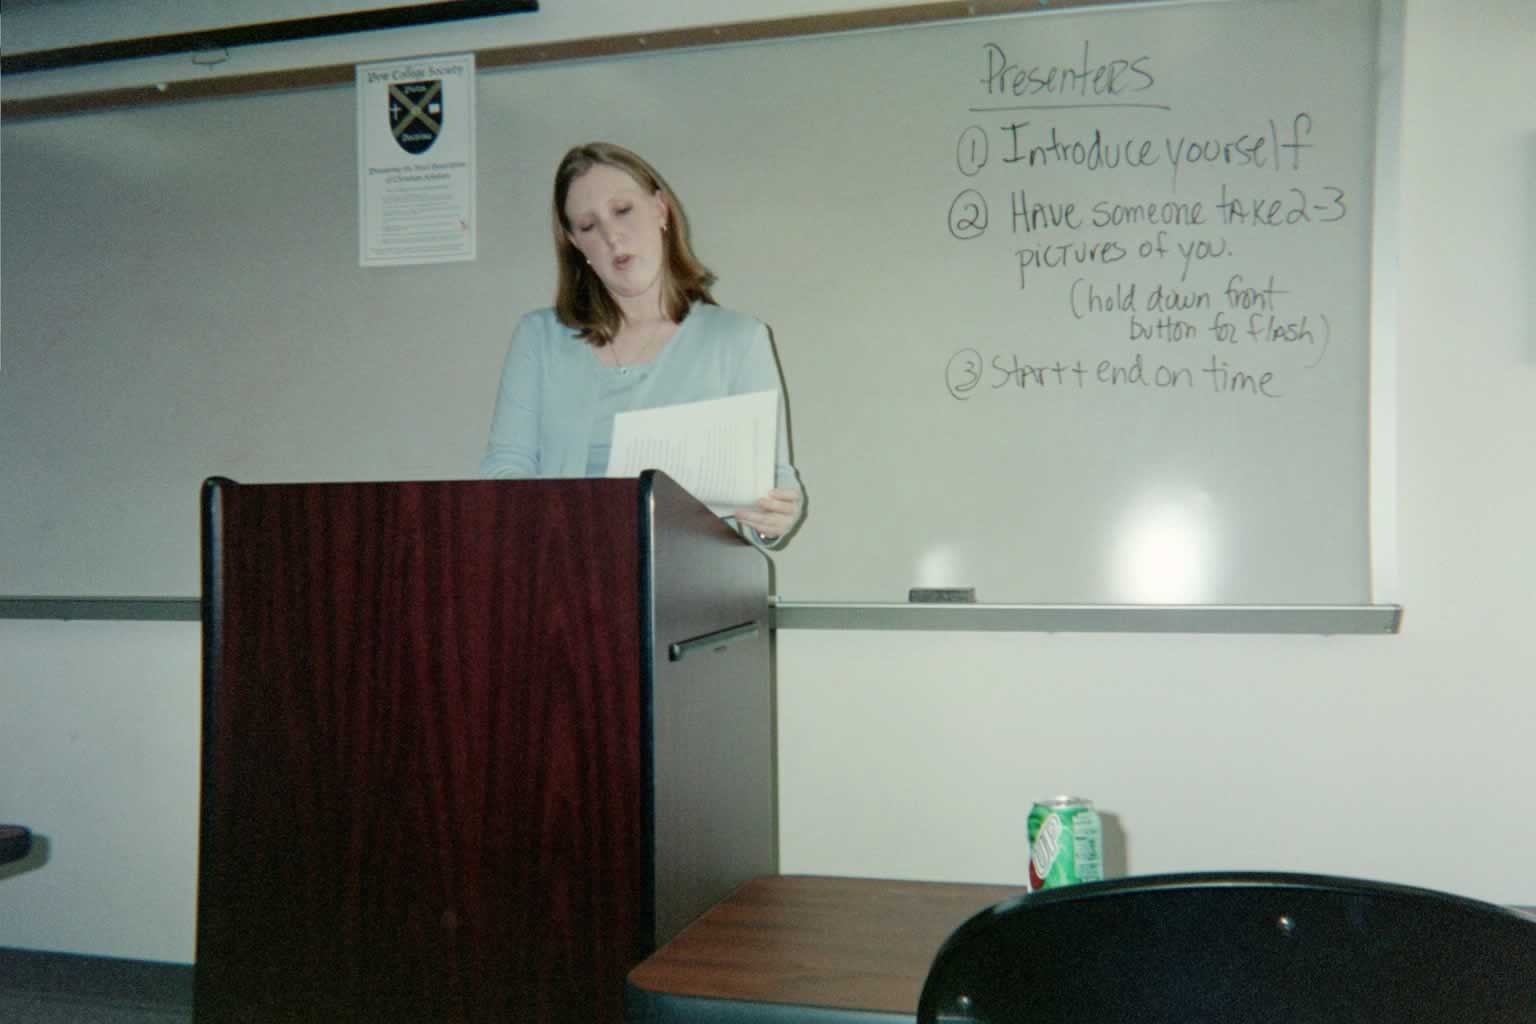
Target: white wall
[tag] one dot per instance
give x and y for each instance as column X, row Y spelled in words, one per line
column 1405, row 758
column 99, row 737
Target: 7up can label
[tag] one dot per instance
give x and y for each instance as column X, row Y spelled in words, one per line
column 1065, row 837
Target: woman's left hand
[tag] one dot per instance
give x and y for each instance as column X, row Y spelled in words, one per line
column 774, row 513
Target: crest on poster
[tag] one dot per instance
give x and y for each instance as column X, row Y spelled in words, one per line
column 416, row 114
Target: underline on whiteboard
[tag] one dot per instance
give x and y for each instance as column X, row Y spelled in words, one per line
column 1073, row 106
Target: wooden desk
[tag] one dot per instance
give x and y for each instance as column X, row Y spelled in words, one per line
column 806, row 949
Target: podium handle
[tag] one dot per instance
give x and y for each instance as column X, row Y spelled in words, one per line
column 718, row 640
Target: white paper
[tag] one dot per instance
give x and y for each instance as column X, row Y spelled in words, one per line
column 721, row 451
column 416, row 160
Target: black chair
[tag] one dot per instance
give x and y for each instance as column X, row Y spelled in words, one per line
column 1236, row 948
column 15, row 842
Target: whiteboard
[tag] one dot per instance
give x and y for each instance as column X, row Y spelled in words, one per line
column 1072, row 307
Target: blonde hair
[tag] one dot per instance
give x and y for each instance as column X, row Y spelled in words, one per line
column 582, row 301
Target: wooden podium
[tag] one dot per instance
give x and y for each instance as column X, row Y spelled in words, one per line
column 471, row 750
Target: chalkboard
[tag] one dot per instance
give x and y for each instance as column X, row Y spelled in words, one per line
column 1071, row 307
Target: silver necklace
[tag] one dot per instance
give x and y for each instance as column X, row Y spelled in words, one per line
column 640, row 351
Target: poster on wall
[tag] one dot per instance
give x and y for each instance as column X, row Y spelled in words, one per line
column 416, row 160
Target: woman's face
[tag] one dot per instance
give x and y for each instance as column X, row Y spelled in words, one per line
column 617, row 226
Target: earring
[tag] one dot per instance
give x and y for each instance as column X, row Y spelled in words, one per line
column 663, row 227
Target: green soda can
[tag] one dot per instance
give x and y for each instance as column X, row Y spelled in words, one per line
column 1065, row 841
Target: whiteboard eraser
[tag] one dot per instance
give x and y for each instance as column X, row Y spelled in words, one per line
column 942, row 595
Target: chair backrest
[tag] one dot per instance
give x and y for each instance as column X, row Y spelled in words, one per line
column 1236, row 948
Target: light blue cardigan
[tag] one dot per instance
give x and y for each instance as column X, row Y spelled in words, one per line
column 549, row 385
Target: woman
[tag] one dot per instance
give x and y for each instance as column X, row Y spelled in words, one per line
column 633, row 327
